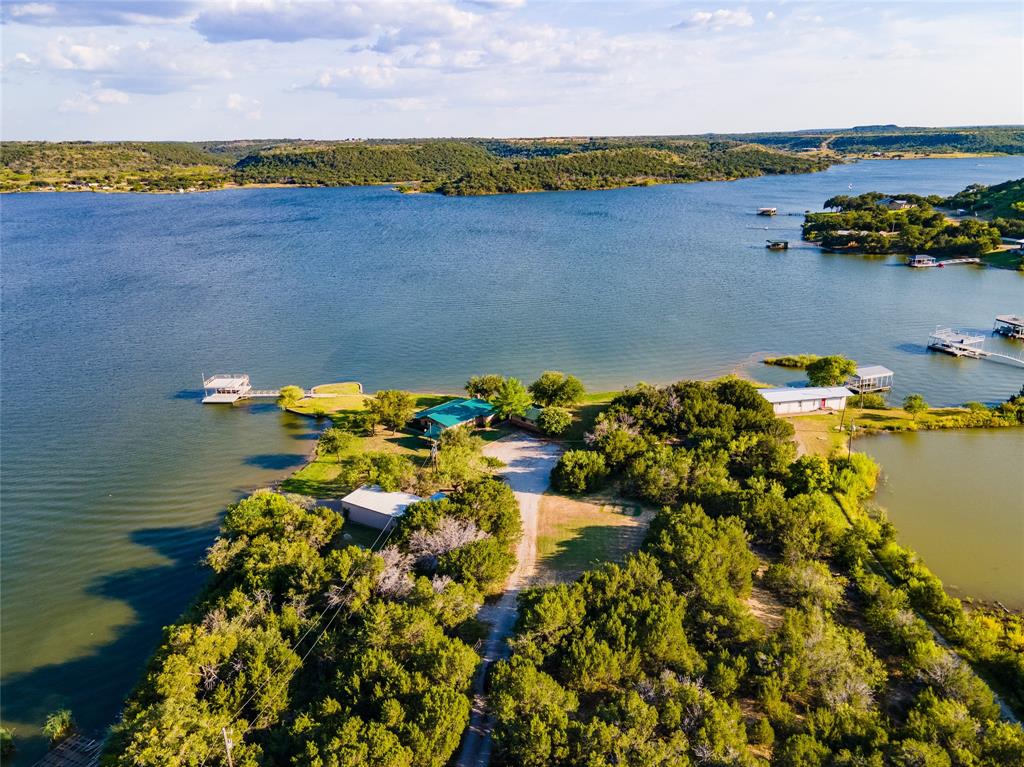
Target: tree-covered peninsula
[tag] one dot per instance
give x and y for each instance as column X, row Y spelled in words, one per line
column 882, row 224
column 769, row 618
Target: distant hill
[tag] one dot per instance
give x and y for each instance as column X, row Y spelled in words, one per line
column 472, row 166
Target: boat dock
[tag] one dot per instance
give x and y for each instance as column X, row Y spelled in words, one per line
column 778, row 245
column 924, row 262
column 767, row 211
column 1009, row 325
column 961, row 344
column 228, row 388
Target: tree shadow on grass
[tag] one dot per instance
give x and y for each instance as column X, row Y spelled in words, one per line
column 94, row 685
column 588, row 547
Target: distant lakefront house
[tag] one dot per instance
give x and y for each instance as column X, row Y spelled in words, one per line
column 893, row 204
column 807, row 399
column 456, row 412
column 376, row 508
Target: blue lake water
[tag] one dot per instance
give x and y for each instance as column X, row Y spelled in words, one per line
column 113, row 306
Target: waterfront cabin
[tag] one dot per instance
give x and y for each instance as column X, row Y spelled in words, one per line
column 528, row 420
column 870, row 378
column 767, row 211
column 807, row 399
column 455, row 412
column 225, row 388
column 376, row 508
column 920, row 261
column 1010, row 325
column 893, row 204
column 778, row 245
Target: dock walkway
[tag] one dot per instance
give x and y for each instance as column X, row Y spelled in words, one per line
column 961, row 344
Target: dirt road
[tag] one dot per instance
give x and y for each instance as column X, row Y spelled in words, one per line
column 528, row 463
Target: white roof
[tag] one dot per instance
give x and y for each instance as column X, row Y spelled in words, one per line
column 873, row 371
column 226, row 381
column 804, row 393
column 373, row 498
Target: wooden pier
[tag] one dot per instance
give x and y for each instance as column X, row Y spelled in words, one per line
column 961, row 344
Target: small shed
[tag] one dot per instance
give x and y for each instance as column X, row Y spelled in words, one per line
column 455, row 412
column 807, row 399
column 371, row 506
column 528, row 420
column 870, row 378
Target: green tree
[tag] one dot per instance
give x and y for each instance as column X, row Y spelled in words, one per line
column 915, row 404
column 485, row 386
column 830, row 371
column 511, row 399
column 578, row 471
column 554, row 420
column 6, row 742
column 459, row 457
column 289, row 396
column 556, row 388
column 392, row 407
column 59, row 725
column 336, row 441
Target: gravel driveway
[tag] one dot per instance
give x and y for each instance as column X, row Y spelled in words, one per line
column 528, row 463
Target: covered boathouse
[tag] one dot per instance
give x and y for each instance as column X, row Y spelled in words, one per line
column 869, row 379
column 1010, row 325
column 455, row 412
column 807, row 399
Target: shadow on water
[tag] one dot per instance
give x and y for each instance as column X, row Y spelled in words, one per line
column 277, row 461
column 187, row 394
column 90, row 685
column 912, row 348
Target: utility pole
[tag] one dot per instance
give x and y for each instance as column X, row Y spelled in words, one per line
column 228, row 745
column 849, row 450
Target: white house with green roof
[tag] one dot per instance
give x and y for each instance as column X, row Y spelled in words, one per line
column 461, row 411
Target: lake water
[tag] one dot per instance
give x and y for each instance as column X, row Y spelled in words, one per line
column 113, row 306
column 957, row 499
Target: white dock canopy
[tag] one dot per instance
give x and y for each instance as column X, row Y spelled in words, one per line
column 806, row 399
column 376, row 508
column 225, row 388
column 870, row 378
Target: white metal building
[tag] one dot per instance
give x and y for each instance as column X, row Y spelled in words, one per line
column 807, row 399
column 373, row 507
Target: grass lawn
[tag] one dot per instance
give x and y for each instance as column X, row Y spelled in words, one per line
column 584, row 415
column 1003, row 259
column 574, row 534
column 345, row 397
column 818, row 436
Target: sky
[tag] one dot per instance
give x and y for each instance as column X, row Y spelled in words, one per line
column 334, row 69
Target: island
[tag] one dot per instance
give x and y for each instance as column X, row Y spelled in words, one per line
column 755, row 606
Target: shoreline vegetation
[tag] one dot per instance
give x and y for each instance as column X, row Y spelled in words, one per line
column 471, row 166
column 817, row 639
column 977, row 222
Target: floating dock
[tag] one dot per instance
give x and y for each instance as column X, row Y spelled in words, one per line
column 767, row 211
column 778, row 245
column 1009, row 325
column 961, row 344
column 228, row 388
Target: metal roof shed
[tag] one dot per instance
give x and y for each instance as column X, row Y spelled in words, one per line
column 807, row 399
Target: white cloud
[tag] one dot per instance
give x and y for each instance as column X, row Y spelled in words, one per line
column 144, row 66
column 716, row 20
column 251, row 108
column 91, row 101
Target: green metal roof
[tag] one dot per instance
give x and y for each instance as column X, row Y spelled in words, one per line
column 457, row 411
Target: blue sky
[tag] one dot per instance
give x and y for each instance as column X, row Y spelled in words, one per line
column 219, row 69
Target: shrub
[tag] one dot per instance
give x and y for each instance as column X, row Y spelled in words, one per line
column 869, row 401
column 578, row 471
column 59, row 725
column 554, row 420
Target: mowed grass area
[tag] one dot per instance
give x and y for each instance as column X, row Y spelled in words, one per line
column 584, row 415
column 346, row 396
column 575, row 534
column 1008, row 258
column 320, row 477
column 817, row 433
